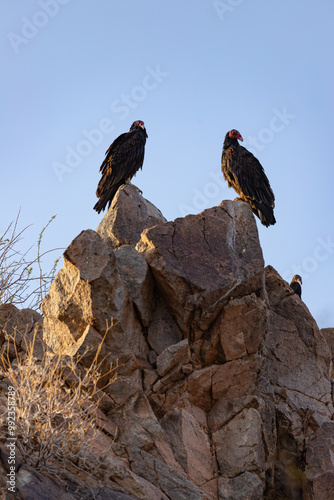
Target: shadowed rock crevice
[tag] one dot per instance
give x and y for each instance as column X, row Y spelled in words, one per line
column 225, row 391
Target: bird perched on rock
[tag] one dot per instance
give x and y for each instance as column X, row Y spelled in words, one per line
column 296, row 284
column 123, row 159
column 245, row 174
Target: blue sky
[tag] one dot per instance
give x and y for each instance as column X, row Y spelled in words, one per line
column 77, row 74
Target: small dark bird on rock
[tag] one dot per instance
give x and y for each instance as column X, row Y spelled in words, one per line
column 296, row 284
column 123, row 159
column 245, row 174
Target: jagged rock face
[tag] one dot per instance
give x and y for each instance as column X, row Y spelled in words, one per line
column 299, row 366
column 328, row 333
column 200, row 261
column 225, row 389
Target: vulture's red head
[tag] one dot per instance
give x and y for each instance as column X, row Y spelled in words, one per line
column 138, row 123
column 234, row 134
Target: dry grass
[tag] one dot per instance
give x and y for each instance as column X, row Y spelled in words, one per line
column 56, row 397
column 56, row 401
column 22, row 280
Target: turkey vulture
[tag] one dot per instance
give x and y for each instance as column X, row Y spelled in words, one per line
column 296, row 283
column 124, row 157
column 245, row 174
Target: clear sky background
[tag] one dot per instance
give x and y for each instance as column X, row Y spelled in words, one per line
column 76, row 74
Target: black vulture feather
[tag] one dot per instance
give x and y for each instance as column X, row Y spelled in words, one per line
column 123, row 159
column 245, row 174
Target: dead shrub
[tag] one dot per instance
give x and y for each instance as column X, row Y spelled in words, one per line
column 22, row 280
column 56, row 404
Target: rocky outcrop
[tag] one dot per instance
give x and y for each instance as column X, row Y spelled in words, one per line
column 224, row 381
column 128, row 216
column 20, row 328
column 299, row 365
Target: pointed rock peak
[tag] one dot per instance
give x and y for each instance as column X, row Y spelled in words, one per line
column 129, row 214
